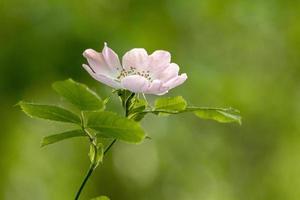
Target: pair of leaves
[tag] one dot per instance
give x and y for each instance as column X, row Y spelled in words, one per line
column 107, row 124
column 176, row 105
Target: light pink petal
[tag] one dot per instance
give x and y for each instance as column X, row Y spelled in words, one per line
column 159, row 60
column 156, row 87
column 174, row 82
column 169, row 73
column 111, row 58
column 97, row 62
column 135, row 83
column 102, row 78
column 137, row 58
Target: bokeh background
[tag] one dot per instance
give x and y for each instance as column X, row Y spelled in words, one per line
column 239, row 53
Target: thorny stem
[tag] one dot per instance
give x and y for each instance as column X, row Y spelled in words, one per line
column 93, row 141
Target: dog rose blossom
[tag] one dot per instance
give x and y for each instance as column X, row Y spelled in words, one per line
column 138, row 73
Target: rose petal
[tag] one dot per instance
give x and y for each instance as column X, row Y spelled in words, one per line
column 156, row 87
column 169, row 73
column 174, row 82
column 136, row 58
column 96, row 61
column 135, row 83
column 159, row 60
column 102, row 78
column 112, row 59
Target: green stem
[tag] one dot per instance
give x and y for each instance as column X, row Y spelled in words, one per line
column 92, row 168
column 94, row 143
column 94, row 163
column 108, row 148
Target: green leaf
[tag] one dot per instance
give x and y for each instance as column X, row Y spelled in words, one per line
column 79, row 95
column 96, row 159
column 61, row 136
column 170, row 104
column 111, row 125
column 101, row 198
column 223, row 115
column 49, row 112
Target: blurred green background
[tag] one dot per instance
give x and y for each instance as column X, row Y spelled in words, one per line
column 239, row 53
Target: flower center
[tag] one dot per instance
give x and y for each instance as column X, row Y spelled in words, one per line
column 134, row 71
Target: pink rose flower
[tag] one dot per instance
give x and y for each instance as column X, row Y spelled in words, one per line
column 139, row 72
